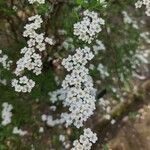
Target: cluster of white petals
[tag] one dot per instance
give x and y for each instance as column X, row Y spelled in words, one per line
column 6, row 113
column 139, row 4
column 31, row 59
column 6, row 63
column 80, row 97
column 23, row 84
column 78, row 85
column 18, row 131
column 85, row 141
column 77, row 92
column 89, row 27
column 36, row 1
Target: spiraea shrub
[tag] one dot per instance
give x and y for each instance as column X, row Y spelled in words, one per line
column 64, row 63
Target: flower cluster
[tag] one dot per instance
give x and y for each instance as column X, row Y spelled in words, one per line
column 89, row 27
column 4, row 61
column 78, row 60
column 77, row 92
column 6, row 113
column 139, row 4
column 38, row 1
column 23, row 84
column 80, row 96
column 18, row 131
column 36, row 43
column 85, row 141
column 31, row 59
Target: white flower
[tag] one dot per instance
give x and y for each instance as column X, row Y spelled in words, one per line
column 78, row 93
column 83, row 139
column 87, row 132
column 31, row 42
column 50, row 41
column 41, row 47
column 93, row 138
